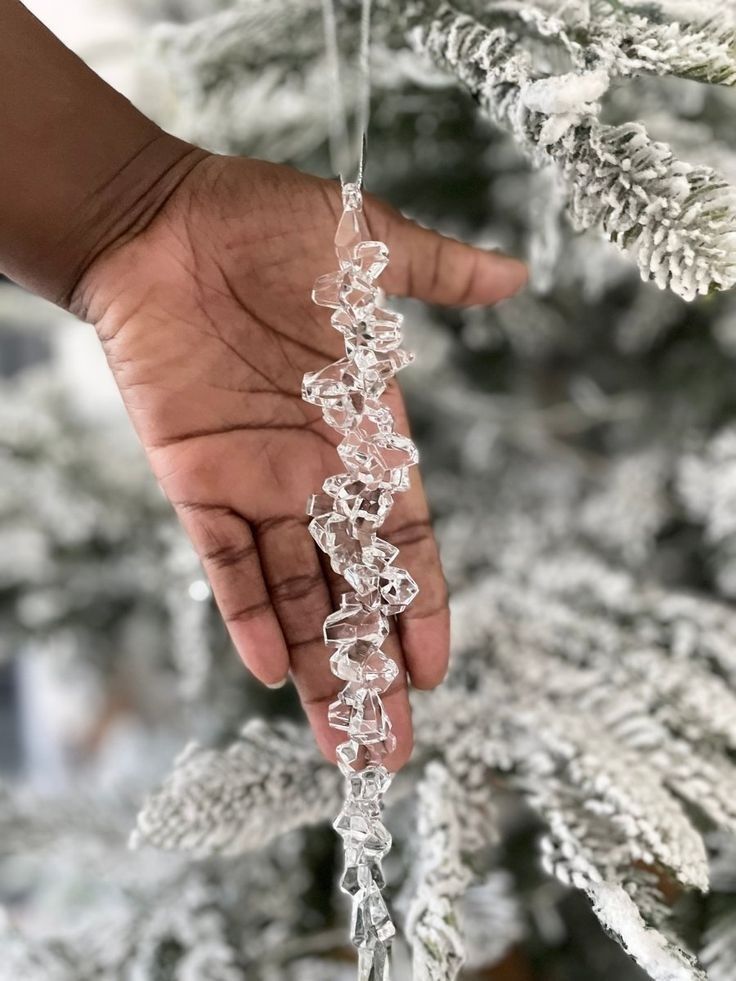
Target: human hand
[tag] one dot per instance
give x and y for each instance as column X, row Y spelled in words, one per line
column 206, row 319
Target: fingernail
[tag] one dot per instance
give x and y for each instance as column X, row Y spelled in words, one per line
column 277, row 684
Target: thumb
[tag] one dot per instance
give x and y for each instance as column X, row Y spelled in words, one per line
column 438, row 269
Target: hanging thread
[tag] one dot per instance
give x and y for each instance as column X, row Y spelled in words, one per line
column 347, row 155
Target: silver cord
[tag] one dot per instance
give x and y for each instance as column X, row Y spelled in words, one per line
column 348, row 155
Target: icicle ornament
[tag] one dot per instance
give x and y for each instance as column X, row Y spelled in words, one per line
column 346, row 518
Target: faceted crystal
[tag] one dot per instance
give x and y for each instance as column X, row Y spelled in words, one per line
column 365, row 835
column 347, row 754
column 380, row 459
column 344, row 413
column 370, row 724
column 371, row 923
column 335, row 535
column 372, row 669
column 335, row 381
column 366, row 506
column 377, row 369
column 377, row 418
column 340, row 714
column 326, row 290
column 353, row 824
column 397, row 589
column 328, row 529
column 347, row 661
column 357, row 298
column 352, row 623
column 379, row 554
column 373, row 964
column 351, row 231
column 370, row 784
column 365, row 583
column 371, row 258
column 359, row 874
column 352, row 196
column 377, row 843
column 364, row 331
column 382, row 749
column 320, row 505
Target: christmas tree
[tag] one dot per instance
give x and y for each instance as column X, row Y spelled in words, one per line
column 570, row 808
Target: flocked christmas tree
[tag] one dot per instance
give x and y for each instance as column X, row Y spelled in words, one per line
column 578, row 444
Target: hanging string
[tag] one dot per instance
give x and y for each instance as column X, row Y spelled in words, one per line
column 347, row 155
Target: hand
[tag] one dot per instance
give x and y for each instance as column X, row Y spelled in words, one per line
column 208, row 325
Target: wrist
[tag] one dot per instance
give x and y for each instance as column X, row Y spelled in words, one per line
column 123, row 208
column 81, row 169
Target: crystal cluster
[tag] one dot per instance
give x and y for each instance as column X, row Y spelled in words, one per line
column 346, row 518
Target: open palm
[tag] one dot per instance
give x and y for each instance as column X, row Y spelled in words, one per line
column 207, row 323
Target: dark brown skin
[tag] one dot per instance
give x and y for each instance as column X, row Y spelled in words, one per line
column 197, row 274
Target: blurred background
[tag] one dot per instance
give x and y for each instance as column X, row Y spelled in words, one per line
column 580, row 455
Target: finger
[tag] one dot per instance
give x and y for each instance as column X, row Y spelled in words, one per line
column 301, row 598
column 437, row 269
column 424, row 627
column 396, row 699
column 225, row 544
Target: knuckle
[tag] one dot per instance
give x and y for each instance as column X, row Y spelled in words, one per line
column 296, row 588
column 245, row 613
column 229, row 554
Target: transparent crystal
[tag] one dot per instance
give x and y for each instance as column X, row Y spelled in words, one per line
column 378, row 459
column 364, row 583
column 371, row 924
column 351, row 231
column 370, row 724
column 364, row 664
column 373, row 963
column 326, row 290
column 319, row 505
column 354, row 622
column 371, row 258
column 326, row 529
column 346, row 412
column 357, row 299
column 369, row 506
column 370, row 784
column 336, row 536
column 377, row 418
column 347, row 754
column 365, row 833
column 379, row 553
column 367, row 330
column 359, row 871
column 397, row 589
column 335, row 381
column 340, row 714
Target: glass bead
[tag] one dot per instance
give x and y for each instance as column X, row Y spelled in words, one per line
column 365, row 665
column 352, row 623
column 371, row 258
column 370, row 724
column 397, row 589
column 326, row 290
column 347, row 755
column 379, row 554
column 370, row 784
column 334, row 381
